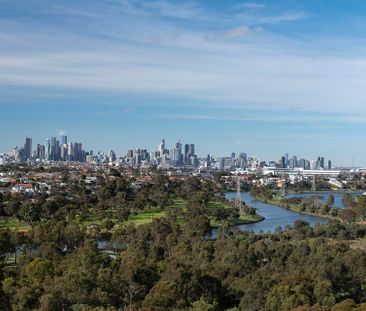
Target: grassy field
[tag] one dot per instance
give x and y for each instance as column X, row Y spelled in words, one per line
column 145, row 217
column 140, row 218
column 148, row 216
column 12, row 223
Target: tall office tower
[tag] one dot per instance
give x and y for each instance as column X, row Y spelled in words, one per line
column 283, row 162
column 16, row 154
column 144, row 155
column 112, row 156
column 294, row 159
column 63, row 153
column 322, row 162
column 329, row 164
column 291, row 163
column 78, row 152
column 136, row 159
column 243, row 160
column 307, row 164
column 37, row 150
column 58, row 150
column 53, row 149
column 208, row 160
column 232, row 159
column 220, row 163
column 286, row 160
column 47, row 150
column 313, row 165
column 40, row 152
column 178, row 153
column 129, row 153
column 28, row 148
column 63, row 140
column 302, row 163
column 188, row 153
column 70, row 152
column 161, row 148
column 152, row 156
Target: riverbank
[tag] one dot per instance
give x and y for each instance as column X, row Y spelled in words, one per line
column 246, row 220
column 296, row 208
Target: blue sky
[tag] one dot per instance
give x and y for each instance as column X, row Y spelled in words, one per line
column 262, row 77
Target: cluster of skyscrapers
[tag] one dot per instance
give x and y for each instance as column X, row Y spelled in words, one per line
column 180, row 155
column 52, row 150
column 163, row 156
column 294, row 162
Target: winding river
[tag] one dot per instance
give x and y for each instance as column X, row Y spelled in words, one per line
column 275, row 216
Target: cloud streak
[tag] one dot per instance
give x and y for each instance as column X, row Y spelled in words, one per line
column 129, row 48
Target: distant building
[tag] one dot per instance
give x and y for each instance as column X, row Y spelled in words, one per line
column 64, row 140
column 28, row 148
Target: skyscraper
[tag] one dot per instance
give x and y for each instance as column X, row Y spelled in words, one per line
column 28, row 148
column 188, row 153
column 78, row 152
column 47, row 150
column 161, row 147
column 53, row 149
column 40, row 152
column 63, row 140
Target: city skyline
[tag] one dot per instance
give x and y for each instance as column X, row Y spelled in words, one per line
column 164, row 156
column 258, row 76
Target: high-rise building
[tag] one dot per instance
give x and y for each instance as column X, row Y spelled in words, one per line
column 47, row 150
column 112, row 156
column 63, row 140
column 63, row 154
column 329, row 164
column 285, row 161
column 161, row 148
column 188, row 153
column 40, row 152
column 53, row 149
column 78, row 152
column 28, row 148
column 130, row 153
column 176, row 156
column 70, row 152
column 302, row 163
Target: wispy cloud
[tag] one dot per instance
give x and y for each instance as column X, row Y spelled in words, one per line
column 270, row 19
column 182, row 10
column 234, row 33
column 254, row 5
column 319, row 121
column 116, row 49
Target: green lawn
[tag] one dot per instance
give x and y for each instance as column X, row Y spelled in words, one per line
column 142, row 217
column 13, row 223
column 218, row 204
column 145, row 217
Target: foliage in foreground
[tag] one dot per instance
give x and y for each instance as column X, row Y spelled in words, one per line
column 164, row 266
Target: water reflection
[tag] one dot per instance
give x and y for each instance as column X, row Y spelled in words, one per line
column 275, row 216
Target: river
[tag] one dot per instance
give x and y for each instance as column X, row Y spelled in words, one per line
column 275, row 216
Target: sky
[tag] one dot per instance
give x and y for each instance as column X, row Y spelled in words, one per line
column 262, row 77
